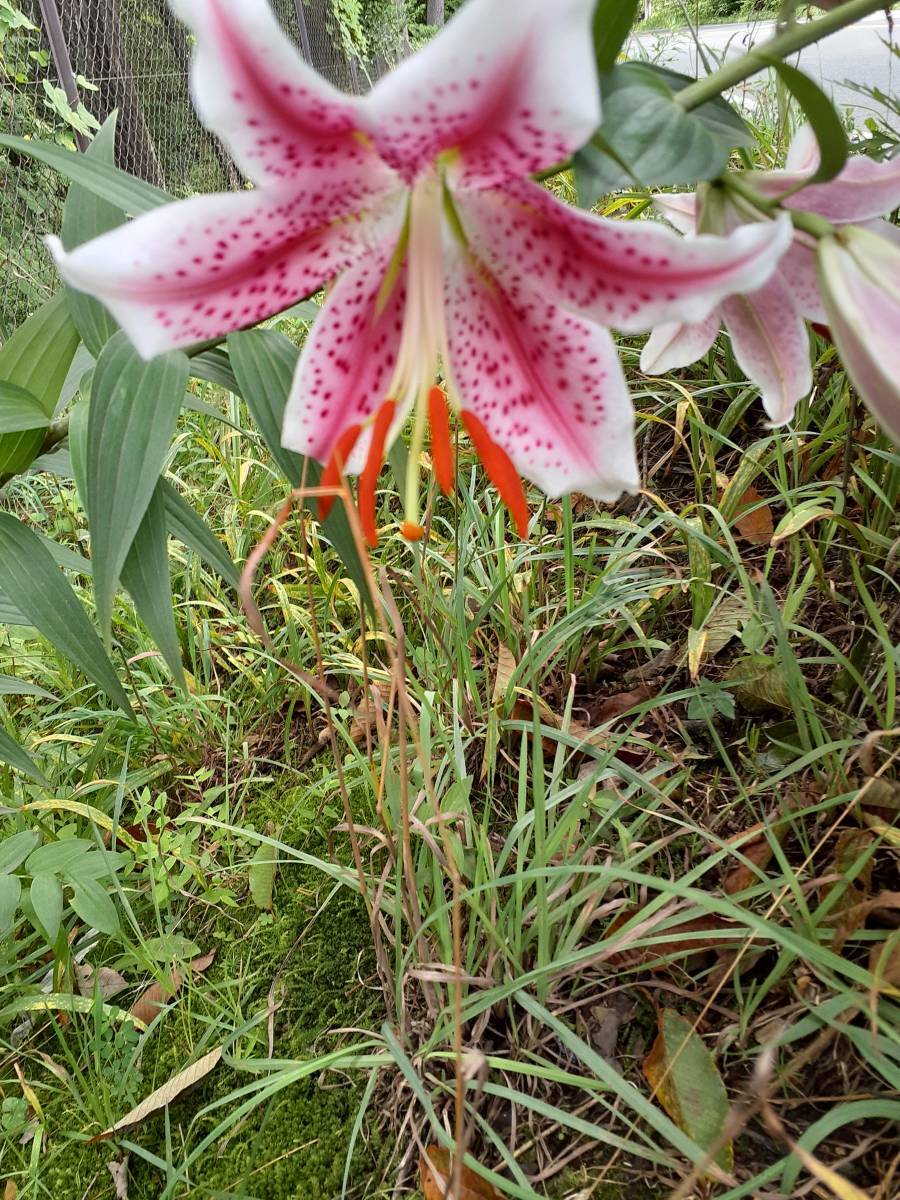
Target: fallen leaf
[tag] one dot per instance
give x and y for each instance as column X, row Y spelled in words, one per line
column 119, row 1172
column 759, row 851
column 754, row 520
column 506, row 668
column 726, row 622
column 11, row 1190
column 146, row 1008
column 165, row 1095
column 705, row 927
column 109, row 982
column 616, row 706
column 759, row 684
column 435, row 1173
column 687, row 1083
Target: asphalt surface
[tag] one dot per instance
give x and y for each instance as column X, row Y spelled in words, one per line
column 857, row 53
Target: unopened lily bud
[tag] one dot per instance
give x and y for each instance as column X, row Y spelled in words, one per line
column 859, row 278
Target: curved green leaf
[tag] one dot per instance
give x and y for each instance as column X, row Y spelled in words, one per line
column 19, row 410
column 834, row 1119
column 264, row 362
column 823, row 117
column 10, row 686
column 15, row 849
column 145, row 575
column 47, row 901
column 37, row 587
column 10, row 894
column 613, row 21
column 117, row 187
column 37, row 359
column 192, row 531
column 94, row 906
column 131, row 421
column 87, row 215
column 13, row 754
column 54, row 857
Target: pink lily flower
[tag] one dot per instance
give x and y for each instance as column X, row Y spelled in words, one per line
column 767, row 326
column 449, row 261
column 860, row 283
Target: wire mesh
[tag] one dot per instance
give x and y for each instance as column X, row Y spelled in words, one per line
column 132, row 56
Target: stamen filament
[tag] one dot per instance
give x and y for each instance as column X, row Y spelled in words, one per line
column 500, row 470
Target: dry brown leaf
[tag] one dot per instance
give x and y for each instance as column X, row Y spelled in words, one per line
column 884, row 963
column 759, row 851
column 705, row 927
column 119, row 1172
column 159, row 994
column 11, row 1190
column 436, row 1176
column 755, row 524
column 167, row 1094
column 506, row 668
column 109, row 982
column 616, row 706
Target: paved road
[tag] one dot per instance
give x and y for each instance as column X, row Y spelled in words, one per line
column 857, row 53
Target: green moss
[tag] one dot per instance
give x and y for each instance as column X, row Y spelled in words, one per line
column 294, row 1144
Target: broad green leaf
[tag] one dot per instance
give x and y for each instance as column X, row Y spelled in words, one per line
column 215, row 367
column 10, row 893
column 93, row 905
column 117, row 187
column 823, row 117
column 647, row 138
column 55, row 857
column 47, row 901
column 688, row 1085
column 15, row 849
column 192, row 531
column 131, row 421
column 37, row 359
column 613, row 21
column 264, row 363
column 9, row 614
column 12, row 687
column 262, row 875
column 13, row 754
column 19, row 410
column 145, row 575
column 37, row 587
column 87, row 215
column 95, row 864
column 171, row 947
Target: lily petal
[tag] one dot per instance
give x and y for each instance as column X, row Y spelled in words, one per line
column 348, row 362
column 771, row 345
column 547, row 386
column 803, row 153
column 861, row 288
column 198, row 269
column 679, row 209
column 280, row 119
column 864, row 189
column 798, row 270
column 674, row 345
column 511, row 92
column 628, row 274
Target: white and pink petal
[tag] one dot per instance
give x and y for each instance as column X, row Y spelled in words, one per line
column 547, row 386
column 628, row 274
column 673, row 344
column 509, row 89
column 196, row 270
column 280, row 119
column 771, row 345
column 865, row 189
column 348, row 363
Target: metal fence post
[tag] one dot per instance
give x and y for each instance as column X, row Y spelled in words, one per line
column 304, row 32
column 62, row 61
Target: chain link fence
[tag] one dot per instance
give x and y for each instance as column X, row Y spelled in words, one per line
column 132, row 56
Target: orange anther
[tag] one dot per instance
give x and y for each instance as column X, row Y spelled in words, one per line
column 500, row 470
column 334, row 468
column 441, row 449
column 412, row 532
column 369, row 477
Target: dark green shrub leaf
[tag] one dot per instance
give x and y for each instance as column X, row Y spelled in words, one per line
column 47, row 901
column 10, row 893
column 131, row 420
column 87, row 215
column 264, row 362
column 36, row 359
column 38, row 589
column 613, row 21
column 192, row 531
column 117, row 187
column 13, row 754
column 647, row 139
column 94, row 906
column 145, row 575
column 19, row 410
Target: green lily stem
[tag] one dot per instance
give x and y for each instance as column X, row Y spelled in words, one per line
column 810, row 223
column 783, row 44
